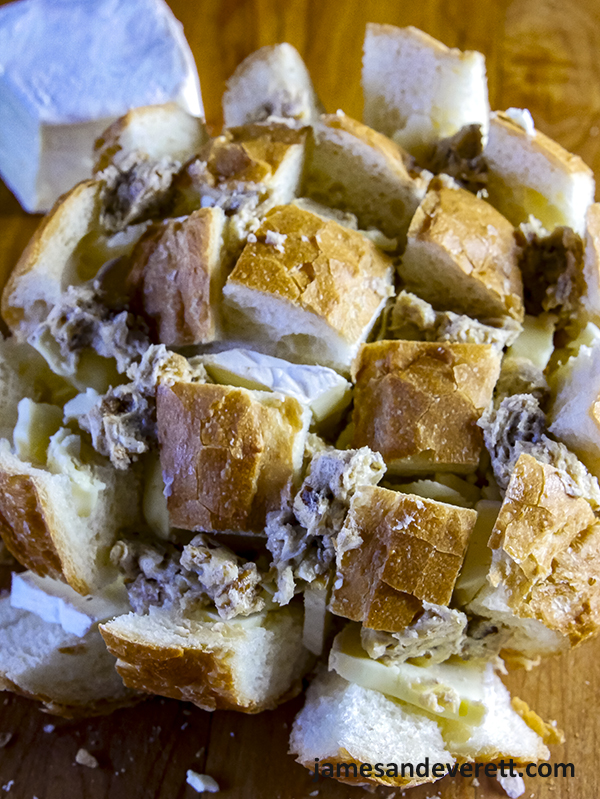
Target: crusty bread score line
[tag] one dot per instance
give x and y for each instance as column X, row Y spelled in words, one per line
column 307, row 282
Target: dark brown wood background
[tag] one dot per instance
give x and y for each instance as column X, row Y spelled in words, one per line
column 541, row 54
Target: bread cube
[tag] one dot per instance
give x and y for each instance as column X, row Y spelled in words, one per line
column 417, row 403
column 543, row 584
column 229, row 456
column 307, row 287
column 418, row 90
column 272, row 81
column 176, row 276
column 248, row 663
column 530, row 174
column 462, row 256
column 395, row 551
column 353, row 167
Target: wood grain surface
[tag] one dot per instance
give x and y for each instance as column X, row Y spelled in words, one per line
column 541, row 54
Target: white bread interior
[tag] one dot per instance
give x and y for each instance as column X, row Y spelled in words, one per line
column 73, row 676
column 273, row 81
column 575, row 412
column 344, row 722
column 530, row 174
column 249, row 663
column 154, row 131
column 419, row 91
column 353, row 167
column 591, row 266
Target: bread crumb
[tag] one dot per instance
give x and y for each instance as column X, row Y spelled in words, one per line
column 83, row 758
column 513, row 786
column 251, row 238
column 475, row 782
column 5, row 738
column 201, row 782
column 276, row 239
column 49, row 727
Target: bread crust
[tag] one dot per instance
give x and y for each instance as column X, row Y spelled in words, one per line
column 324, row 269
column 227, row 454
column 417, row 403
column 190, row 675
column 476, row 251
column 174, row 277
column 26, row 525
column 546, row 552
column 73, row 215
column 556, row 154
column 410, row 550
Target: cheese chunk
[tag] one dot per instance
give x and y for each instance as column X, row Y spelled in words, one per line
column 322, row 389
column 58, row 603
column 452, row 690
column 62, row 68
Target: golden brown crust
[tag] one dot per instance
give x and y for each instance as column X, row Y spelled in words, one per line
column 417, row 403
column 477, row 252
column 320, row 267
column 173, row 277
column 397, row 160
column 24, row 525
column 549, row 734
column 191, row 675
column 228, row 453
column 412, row 549
column 558, row 157
column 546, row 547
column 243, row 157
column 344, row 757
column 69, row 219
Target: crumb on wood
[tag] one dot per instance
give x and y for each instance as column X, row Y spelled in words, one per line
column 84, row 758
column 201, row 782
column 5, row 738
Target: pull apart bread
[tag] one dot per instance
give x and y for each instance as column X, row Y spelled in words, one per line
column 302, row 389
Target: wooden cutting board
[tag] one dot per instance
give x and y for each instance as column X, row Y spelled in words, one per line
column 541, row 54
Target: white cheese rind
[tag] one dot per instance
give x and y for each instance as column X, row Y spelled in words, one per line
column 58, row 603
column 69, row 69
column 321, row 388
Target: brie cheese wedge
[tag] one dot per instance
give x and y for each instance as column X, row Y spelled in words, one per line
column 67, row 70
column 58, row 603
column 322, row 389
